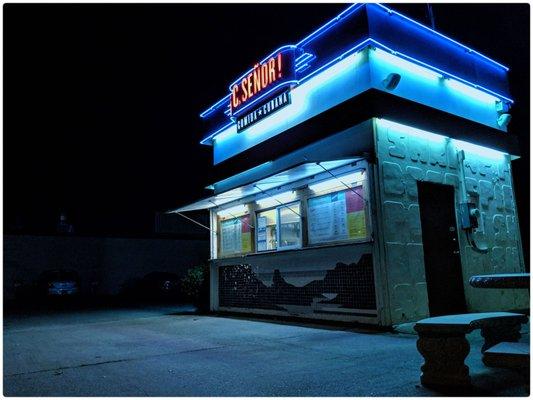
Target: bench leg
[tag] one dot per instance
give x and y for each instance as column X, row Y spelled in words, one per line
column 500, row 333
column 444, row 358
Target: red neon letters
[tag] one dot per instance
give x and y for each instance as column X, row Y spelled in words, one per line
column 256, row 81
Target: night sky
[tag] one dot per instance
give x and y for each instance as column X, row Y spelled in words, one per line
column 101, row 102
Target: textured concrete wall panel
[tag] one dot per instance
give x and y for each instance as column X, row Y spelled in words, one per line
column 405, row 158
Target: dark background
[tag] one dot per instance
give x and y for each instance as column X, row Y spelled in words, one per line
column 101, row 102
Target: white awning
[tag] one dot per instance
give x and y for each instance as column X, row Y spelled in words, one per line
column 294, row 174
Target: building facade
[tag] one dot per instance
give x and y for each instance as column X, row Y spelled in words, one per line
column 365, row 175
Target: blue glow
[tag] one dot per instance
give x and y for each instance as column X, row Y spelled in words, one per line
column 420, row 68
column 384, row 47
column 227, row 131
column 227, row 97
column 470, row 50
column 408, row 66
column 343, row 55
column 303, row 58
column 215, row 106
column 396, row 57
column 469, row 148
column 409, row 130
column 304, row 63
column 301, row 98
column 218, row 131
column 351, row 9
column 354, row 7
column 307, row 100
column 480, row 151
column 302, row 68
column 470, row 91
column 446, row 74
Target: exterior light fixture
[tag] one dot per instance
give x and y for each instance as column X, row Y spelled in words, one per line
column 238, row 210
column 391, row 81
column 276, row 200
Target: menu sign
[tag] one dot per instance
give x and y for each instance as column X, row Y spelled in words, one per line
column 337, row 216
column 235, row 235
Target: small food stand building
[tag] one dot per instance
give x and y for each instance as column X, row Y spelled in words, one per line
column 365, row 175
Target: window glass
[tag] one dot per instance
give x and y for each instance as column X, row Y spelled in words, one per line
column 235, row 236
column 337, row 216
column 266, row 230
column 290, row 226
column 279, row 228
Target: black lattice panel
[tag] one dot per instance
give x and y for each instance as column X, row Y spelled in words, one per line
column 346, row 286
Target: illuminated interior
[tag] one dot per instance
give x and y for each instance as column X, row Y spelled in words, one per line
column 335, row 205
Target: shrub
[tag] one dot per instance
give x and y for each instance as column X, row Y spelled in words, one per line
column 195, row 286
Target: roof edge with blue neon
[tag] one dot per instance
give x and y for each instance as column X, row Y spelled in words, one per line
column 372, row 24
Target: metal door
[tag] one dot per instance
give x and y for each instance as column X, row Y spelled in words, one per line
column 442, row 259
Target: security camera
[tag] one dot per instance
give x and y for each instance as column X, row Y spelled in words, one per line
column 503, row 120
column 391, row 81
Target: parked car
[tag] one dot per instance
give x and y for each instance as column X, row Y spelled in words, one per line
column 59, row 282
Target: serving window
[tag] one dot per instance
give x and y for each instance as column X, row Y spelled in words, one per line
column 290, row 226
column 320, row 212
column 267, row 236
column 279, row 228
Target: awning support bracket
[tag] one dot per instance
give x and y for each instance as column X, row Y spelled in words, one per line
column 347, row 186
column 196, row 222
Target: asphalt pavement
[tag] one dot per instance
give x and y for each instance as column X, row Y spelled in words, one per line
column 169, row 351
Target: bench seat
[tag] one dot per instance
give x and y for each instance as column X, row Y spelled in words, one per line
column 443, row 344
column 507, row 355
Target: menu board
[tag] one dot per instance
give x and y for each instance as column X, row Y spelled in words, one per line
column 235, row 235
column 261, row 233
column 337, row 216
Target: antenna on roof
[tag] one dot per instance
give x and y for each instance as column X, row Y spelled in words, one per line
column 430, row 15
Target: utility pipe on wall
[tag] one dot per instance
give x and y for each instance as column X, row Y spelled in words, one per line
column 470, row 214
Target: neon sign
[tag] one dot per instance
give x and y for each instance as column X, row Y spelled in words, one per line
column 266, row 77
column 270, row 106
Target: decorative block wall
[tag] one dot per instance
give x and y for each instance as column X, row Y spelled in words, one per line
column 406, row 155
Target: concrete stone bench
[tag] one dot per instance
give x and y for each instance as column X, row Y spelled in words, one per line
column 443, row 344
column 508, row 355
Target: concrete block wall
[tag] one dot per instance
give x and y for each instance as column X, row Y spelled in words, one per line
column 405, row 156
